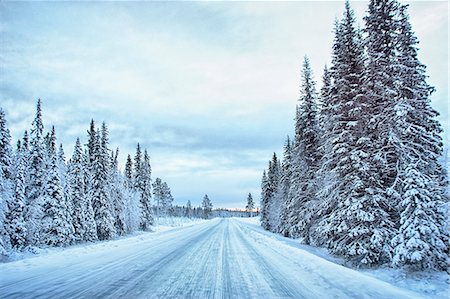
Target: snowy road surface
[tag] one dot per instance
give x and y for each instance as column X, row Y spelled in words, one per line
column 221, row 258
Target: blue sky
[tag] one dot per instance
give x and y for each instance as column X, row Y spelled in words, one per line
column 209, row 88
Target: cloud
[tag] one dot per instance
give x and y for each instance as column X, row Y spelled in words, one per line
column 208, row 88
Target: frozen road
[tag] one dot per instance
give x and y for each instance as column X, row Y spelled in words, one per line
column 221, row 258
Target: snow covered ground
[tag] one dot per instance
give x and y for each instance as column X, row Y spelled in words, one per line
column 220, row 258
column 161, row 224
column 429, row 284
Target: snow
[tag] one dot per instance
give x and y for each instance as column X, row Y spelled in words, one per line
column 430, row 284
column 219, row 258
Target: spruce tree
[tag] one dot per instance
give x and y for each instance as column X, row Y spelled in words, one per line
column 15, row 221
column 306, row 156
column 4, row 236
column 158, row 196
column 146, row 219
column 99, row 193
column 5, row 147
column 57, row 229
column 265, row 197
column 5, row 183
column 421, row 239
column 35, row 188
column 206, row 206
column 188, row 209
column 132, row 207
column 359, row 225
column 381, row 30
column 129, row 172
column 284, row 187
column 275, row 202
column 117, row 195
column 250, row 204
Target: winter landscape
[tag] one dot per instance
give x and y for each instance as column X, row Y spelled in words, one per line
column 224, row 150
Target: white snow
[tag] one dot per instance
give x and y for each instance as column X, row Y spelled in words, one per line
column 219, row 258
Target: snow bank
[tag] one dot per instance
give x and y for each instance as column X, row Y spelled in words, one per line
column 167, row 223
column 429, row 284
column 161, row 225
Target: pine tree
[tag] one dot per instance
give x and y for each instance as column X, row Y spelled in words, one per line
column 99, row 193
column 146, row 194
column 15, row 222
column 188, row 209
column 326, row 174
column 160, row 197
column 35, row 189
column 250, row 204
column 117, row 195
column 57, row 229
column 138, row 183
column 422, row 238
column 274, row 204
column 284, row 187
column 359, row 225
column 265, row 197
column 419, row 243
column 5, row 147
column 306, row 156
column 83, row 221
column 167, row 199
column 4, row 198
column 129, row 172
column 5, row 183
column 206, row 206
column 132, row 207
column 381, row 32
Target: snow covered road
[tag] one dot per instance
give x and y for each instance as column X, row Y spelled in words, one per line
column 221, row 258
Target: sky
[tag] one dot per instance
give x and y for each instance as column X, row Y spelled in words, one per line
column 209, row 88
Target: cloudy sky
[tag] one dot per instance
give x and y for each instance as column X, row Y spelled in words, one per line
column 209, row 88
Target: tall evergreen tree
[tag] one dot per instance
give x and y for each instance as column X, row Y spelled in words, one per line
column 381, row 32
column 129, row 172
column 57, row 229
column 83, row 221
column 275, row 202
column 421, row 239
column 132, row 198
column 359, row 225
column 163, row 197
column 5, row 147
column 35, row 188
column 265, row 197
column 306, row 156
column 15, row 221
column 146, row 193
column 99, row 193
column 284, row 187
column 117, row 195
column 138, row 180
column 5, row 183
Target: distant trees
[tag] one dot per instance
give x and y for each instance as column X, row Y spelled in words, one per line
column 362, row 176
column 250, row 206
column 48, row 201
column 163, row 197
column 206, row 206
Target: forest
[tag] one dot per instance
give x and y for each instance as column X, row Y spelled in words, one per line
column 49, row 201
column 363, row 176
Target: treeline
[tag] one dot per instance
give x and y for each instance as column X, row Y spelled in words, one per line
column 48, row 201
column 362, row 176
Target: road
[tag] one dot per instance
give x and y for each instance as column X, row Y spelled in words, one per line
column 221, row 258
